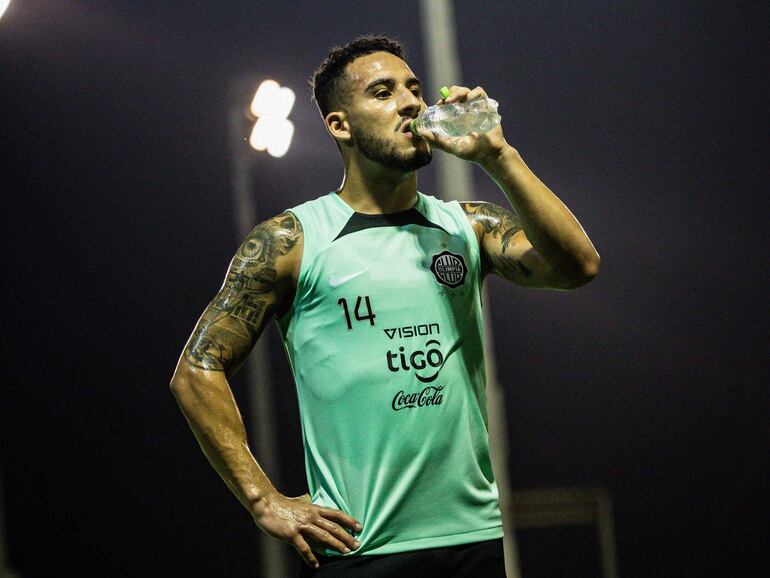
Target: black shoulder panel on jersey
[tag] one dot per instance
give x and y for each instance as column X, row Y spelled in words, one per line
column 361, row 221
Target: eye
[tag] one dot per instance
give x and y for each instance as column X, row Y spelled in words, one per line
column 382, row 94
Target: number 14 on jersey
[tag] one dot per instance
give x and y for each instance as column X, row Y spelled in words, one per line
column 369, row 313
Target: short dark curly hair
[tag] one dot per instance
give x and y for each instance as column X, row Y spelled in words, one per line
column 329, row 76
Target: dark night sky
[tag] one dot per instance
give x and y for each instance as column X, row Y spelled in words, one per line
column 647, row 119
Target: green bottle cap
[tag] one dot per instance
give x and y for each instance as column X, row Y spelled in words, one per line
column 444, row 92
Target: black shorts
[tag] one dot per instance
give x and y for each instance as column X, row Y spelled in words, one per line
column 462, row 561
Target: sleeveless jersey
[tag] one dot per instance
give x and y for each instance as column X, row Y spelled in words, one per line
column 385, row 342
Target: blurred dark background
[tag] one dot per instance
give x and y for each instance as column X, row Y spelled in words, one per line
column 649, row 120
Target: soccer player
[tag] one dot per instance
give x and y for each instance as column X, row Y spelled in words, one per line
column 376, row 291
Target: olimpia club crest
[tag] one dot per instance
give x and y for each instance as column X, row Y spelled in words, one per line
column 449, row 269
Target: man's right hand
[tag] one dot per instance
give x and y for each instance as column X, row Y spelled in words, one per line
column 298, row 521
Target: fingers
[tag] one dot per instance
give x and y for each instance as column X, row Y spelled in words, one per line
column 333, row 536
column 462, row 93
column 341, row 517
column 298, row 522
column 339, row 533
column 305, row 551
column 434, row 139
column 325, row 538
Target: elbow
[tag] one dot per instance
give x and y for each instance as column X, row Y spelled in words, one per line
column 189, row 384
column 185, row 390
column 175, row 385
column 583, row 274
column 178, row 386
column 590, row 268
column 180, row 381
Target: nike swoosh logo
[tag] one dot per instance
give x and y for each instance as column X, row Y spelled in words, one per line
column 335, row 281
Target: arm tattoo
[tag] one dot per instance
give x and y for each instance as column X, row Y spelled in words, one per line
column 503, row 225
column 235, row 317
column 508, row 267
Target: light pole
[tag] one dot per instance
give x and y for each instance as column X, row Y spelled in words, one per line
column 5, row 571
column 455, row 180
column 257, row 369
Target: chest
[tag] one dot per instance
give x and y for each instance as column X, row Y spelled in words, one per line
column 401, row 266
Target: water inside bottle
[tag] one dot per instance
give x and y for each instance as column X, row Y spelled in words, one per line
column 459, row 119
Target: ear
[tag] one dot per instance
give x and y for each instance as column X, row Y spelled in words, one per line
column 337, row 125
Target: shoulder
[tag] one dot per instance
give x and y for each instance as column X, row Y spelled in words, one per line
column 484, row 212
column 313, row 207
column 455, row 208
column 273, row 249
column 484, row 217
column 321, row 219
column 272, row 238
column 490, row 218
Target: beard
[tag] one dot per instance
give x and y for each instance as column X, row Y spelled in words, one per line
column 384, row 152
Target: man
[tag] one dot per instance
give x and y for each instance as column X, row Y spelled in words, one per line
column 376, row 289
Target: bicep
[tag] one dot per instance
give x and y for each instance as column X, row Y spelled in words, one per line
column 258, row 281
column 505, row 249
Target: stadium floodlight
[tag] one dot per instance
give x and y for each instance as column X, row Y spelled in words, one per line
column 3, row 6
column 272, row 100
column 273, row 135
column 272, row 131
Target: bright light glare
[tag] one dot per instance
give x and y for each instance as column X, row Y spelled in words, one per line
column 259, row 136
column 273, row 134
column 272, row 100
column 281, row 140
column 3, row 6
column 272, row 131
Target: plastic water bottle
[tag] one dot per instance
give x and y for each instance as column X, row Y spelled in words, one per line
column 458, row 118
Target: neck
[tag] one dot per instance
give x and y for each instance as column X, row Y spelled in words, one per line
column 369, row 187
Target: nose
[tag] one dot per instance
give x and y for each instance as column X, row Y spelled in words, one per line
column 409, row 103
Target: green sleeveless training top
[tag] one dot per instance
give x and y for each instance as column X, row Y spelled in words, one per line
column 385, row 343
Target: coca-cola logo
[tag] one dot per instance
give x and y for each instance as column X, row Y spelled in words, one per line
column 431, row 395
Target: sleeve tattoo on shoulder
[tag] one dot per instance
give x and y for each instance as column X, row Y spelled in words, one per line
column 234, row 318
column 503, row 225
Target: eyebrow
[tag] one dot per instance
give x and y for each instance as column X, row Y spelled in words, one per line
column 389, row 82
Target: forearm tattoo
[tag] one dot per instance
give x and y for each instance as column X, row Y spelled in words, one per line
column 235, row 317
column 501, row 225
